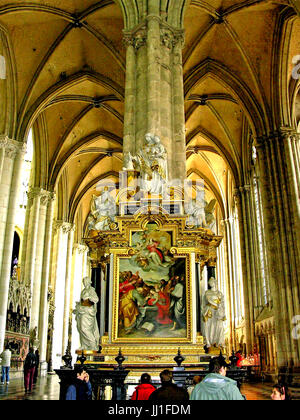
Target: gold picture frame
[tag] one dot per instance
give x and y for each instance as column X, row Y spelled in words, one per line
column 159, row 331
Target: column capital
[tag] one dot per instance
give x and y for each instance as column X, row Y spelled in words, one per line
column 12, row 147
column 65, row 227
column 136, row 38
column 80, row 248
column 47, row 197
column 283, row 133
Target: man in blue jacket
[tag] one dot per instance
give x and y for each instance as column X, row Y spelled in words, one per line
column 216, row 386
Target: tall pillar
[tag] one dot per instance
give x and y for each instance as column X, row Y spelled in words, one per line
column 40, row 204
column 79, row 251
column 12, row 157
column 34, row 196
column 44, row 304
column 66, row 319
column 243, row 203
column 278, row 159
column 154, row 89
column 59, row 272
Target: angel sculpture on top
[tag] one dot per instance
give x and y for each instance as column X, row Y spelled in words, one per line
column 152, row 164
column 201, row 213
column 103, row 211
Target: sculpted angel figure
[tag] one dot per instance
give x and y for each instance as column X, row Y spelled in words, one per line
column 103, row 211
column 151, row 162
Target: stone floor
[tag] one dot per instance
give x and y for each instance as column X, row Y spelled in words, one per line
column 48, row 389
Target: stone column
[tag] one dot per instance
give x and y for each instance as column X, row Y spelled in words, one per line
column 34, row 196
column 44, row 304
column 66, row 319
column 230, row 278
column 154, row 85
column 243, row 204
column 37, row 249
column 12, row 157
column 278, row 159
column 59, row 271
column 78, row 256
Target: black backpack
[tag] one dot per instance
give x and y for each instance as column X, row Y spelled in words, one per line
column 30, row 361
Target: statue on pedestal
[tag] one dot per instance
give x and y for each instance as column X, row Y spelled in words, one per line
column 103, row 211
column 213, row 317
column 201, row 213
column 151, row 162
column 85, row 315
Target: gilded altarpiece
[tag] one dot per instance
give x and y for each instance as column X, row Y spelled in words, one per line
column 153, row 285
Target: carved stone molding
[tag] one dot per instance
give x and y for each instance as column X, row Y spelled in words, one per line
column 169, row 37
column 136, row 38
column 65, row 227
column 12, row 147
column 80, row 248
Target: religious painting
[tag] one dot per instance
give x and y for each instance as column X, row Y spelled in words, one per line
column 152, row 290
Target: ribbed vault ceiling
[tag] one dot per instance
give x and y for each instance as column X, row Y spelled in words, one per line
column 69, row 66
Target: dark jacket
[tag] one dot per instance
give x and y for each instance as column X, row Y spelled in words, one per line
column 79, row 391
column 30, row 361
column 169, row 392
column 143, row 392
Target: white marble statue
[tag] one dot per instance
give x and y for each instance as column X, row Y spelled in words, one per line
column 213, row 316
column 201, row 213
column 103, row 211
column 195, row 209
column 85, row 315
column 151, row 162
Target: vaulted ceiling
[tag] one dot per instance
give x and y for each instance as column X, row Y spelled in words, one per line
column 68, row 77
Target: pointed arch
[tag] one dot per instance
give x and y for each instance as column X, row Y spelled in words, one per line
column 8, row 86
column 216, row 70
column 59, row 88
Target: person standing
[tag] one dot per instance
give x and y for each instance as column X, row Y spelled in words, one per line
column 144, row 390
column 216, row 386
column 168, row 390
column 5, row 361
column 36, row 372
column 29, row 369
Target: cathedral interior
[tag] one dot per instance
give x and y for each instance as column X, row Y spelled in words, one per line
column 150, row 146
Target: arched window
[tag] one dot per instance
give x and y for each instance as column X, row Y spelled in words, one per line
column 264, row 288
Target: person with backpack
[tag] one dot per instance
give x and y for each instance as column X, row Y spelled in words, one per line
column 144, row 390
column 5, row 361
column 29, row 370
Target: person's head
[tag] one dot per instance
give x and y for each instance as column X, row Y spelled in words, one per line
column 280, row 393
column 7, row 347
column 166, row 376
column 31, row 350
column 218, row 366
column 145, row 378
column 87, row 282
column 81, row 373
column 212, row 282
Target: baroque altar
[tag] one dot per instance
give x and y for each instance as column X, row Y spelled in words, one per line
column 148, row 259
